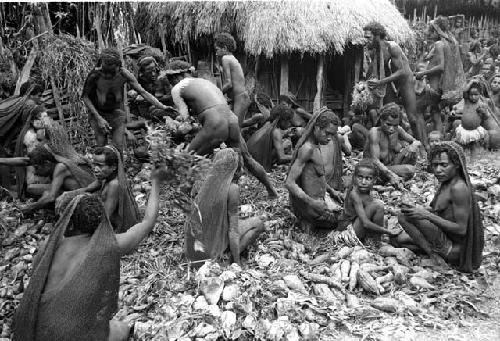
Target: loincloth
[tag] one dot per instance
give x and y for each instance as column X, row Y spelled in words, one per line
column 465, row 137
column 440, row 243
column 326, row 219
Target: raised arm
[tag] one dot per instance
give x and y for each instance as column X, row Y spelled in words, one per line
column 302, row 113
column 15, row 161
column 226, row 67
column 132, row 81
column 278, row 146
column 129, row 240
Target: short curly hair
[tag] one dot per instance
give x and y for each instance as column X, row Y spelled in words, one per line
column 443, row 23
column 225, row 40
column 179, row 65
column 376, row 29
column 326, row 117
column 111, row 56
column 366, row 163
column 390, row 110
column 439, row 148
column 87, row 214
column 281, row 112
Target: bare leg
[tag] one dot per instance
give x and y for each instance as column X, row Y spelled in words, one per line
column 250, row 229
column 118, row 331
column 374, row 212
column 419, row 239
column 404, row 171
column 358, row 135
column 100, row 136
column 373, row 116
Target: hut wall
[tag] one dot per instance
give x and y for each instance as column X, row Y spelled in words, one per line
column 302, row 79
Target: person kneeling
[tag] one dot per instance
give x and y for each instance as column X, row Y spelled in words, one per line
column 73, row 292
column 213, row 224
column 363, row 213
column 452, row 230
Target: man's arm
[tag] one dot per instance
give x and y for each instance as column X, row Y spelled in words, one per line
column 278, row 146
column 461, row 204
column 111, row 200
column 226, row 67
column 179, row 102
column 232, row 210
column 132, row 81
column 397, row 62
column 403, row 135
column 129, row 240
column 304, row 155
column 302, row 113
column 439, row 54
column 256, row 118
column 361, row 213
column 15, row 161
column 375, row 154
column 89, row 85
column 60, row 173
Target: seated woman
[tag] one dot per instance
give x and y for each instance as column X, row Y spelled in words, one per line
column 73, row 291
column 266, row 144
column 314, row 202
column 392, row 149
column 451, row 230
column 363, row 213
column 213, row 224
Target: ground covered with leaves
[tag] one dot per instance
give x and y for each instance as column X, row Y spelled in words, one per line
column 291, row 286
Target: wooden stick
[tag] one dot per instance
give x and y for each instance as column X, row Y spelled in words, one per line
column 319, row 83
column 25, row 73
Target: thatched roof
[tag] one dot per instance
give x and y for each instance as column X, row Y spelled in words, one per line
column 278, row 27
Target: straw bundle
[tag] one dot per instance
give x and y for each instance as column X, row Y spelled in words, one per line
column 362, row 97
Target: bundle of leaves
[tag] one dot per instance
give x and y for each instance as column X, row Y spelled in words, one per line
column 67, row 61
column 362, row 97
column 183, row 168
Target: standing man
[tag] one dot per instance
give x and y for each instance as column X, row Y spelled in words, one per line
column 103, row 94
column 219, row 124
column 445, row 69
column 233, row 77
column 388, row 59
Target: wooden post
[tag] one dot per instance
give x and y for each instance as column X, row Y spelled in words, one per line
column 163, row 42
column 414, row 16
column 284, row 75
column 357, row 65
column 424, row 15
column 319, row 82
column 435, row 11
column 25, row 73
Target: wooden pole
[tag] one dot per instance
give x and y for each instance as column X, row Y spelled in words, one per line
column 284, row 74
column 414, row 16
column 424, row 15
column 435, row 11
column 319, row 83
column 25, row 73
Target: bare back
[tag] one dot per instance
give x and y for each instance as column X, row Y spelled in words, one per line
column 231, row 64
column 200, row 94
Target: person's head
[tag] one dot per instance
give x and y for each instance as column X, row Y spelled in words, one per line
column 474, row 34
column 42, row 160
column 283, row 114
column 374, row 32
column 87, row 215
column 473, row 92
column 105, row 162
column 364, row 176
column 224, row 44
column 436, row 25
column 495, row 83
column 390, row 117
column 435, row 137
column 178, row 70
column 289, row 100
column 459, row 22
column 110, row 62
column 326, row 125
column 148, row 68
column 446, row 159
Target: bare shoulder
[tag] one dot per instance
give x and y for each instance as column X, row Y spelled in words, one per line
column 373, row 134
column 129, row 76
column 305, row 151
column 394, row 47
column 459, row 191
column 113, row 185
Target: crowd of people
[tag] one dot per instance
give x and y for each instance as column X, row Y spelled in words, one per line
column 442, row 109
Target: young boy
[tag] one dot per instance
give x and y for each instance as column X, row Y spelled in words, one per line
column 362, row 212
column 434, row 137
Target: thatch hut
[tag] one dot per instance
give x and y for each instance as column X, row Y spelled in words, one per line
column 310, row 48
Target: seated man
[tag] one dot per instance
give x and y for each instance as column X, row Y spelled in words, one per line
column 219, row 123
column 103, row 95
column 73, row 291
column 386, row 147
column 266, row 144
column 363, row 213
column 452, row 229
column 65, row 175
column 310, row 194
column 112, row 183
column 149, row 78
column 213, row 224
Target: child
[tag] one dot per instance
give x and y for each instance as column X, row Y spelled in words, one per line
column 470, row 133
column 435, row 137
column 362, row 212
